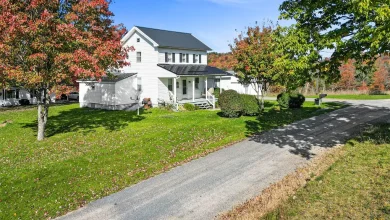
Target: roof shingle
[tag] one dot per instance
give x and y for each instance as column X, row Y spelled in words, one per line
column 173, row 39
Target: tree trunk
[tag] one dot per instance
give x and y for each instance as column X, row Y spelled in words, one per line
column 262, row 97
column 41, row 122
column 43, row 111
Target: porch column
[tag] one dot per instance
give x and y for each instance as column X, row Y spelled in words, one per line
column 193, row 89
column 205, row 85
column 174, row 91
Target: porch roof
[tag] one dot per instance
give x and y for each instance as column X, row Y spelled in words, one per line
column 110, row 79
column 193, row 70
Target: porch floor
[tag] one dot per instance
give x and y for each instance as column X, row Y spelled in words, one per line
column 199, row 100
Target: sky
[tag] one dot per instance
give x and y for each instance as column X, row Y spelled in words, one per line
column 215, row 22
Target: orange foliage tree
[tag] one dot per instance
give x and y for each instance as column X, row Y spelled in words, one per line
column 45, row 44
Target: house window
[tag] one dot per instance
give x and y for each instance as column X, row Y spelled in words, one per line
column 194, row 58
column 187, row 58
column 139, row 84
column 138, row 57
column 170, row 83
column 138, row 40
column 173, row 57
column 177, row 85
column 10, row 94
column 217, row 83
column 181, row 57
column 184, row 87
column 197, row 83
column 17, row 94
column 200, row 58
column 168, row 57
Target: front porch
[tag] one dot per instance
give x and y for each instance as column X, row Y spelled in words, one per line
column 197, row 90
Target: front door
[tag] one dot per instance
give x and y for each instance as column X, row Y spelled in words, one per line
column 184, row 87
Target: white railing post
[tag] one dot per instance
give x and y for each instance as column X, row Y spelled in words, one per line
column 213, row 102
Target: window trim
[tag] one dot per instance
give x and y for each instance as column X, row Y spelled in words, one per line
column 173, row 57
column 187, row 58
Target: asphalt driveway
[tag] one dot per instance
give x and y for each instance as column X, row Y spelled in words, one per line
column 205, row 187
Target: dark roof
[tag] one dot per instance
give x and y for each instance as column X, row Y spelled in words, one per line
column 173, row 39
column 192, row 70
column 113, row 78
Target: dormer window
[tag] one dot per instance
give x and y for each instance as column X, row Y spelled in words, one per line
column 194, row 58
column 168, row 57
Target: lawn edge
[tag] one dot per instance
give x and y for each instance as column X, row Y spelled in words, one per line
column 274, row 195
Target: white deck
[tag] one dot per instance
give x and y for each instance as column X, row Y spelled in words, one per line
column 201, row 100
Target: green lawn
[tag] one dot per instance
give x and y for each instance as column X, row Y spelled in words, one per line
column 354, row 97
column 92, row 153
column 357, row 186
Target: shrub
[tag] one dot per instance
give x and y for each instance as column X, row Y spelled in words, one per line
column 283, row 99
column 287, row 100
column 230, row 103
column 189, row 107
column 24, row 102
column 217, row 92
column 250, row 105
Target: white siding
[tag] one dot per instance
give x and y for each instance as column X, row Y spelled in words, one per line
column 126, row 91
column 102, row 93
column 162, row 51
column 147, row 70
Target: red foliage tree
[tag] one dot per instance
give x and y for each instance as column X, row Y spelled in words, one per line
column 223, row 61
column 46, row 43
column 347, row 76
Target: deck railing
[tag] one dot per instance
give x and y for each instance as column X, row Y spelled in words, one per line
column 210, row 98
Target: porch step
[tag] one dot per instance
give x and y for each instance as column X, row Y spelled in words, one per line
column 203, row 105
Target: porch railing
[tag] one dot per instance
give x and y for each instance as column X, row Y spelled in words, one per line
column 210, row 98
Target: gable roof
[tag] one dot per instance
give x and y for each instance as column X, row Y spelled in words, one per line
column 192, row 70
column 173, row 39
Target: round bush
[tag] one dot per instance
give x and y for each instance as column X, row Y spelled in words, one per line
column 296, row 100
column 250, row 105
column 189, row 107
column 231, row 103
column 287, row 100
column 24, row 102
column 283, row 99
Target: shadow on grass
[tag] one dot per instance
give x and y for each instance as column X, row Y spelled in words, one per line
column 324, row 131
column 87, row 120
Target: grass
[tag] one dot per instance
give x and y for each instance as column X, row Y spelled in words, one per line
column 89, row 154
column 355, row 187
column 354, row 97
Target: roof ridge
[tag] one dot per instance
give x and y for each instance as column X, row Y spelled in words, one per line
column 163, row 30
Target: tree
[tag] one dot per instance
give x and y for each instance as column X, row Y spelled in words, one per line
column 356, row 29
column 223, row 61
column 296, row 57
column 255, row 54
column 347, row 76
column 46, row 43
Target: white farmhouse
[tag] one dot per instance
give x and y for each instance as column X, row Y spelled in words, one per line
column 11, row 96
column 166, row 66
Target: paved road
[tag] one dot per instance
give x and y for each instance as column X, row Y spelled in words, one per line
column 207, row 186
